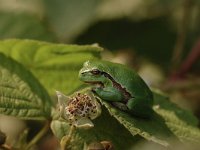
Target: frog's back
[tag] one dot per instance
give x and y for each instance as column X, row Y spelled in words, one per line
column 135, row 85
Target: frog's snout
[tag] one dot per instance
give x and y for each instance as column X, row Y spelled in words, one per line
column 82, row 75
column 83, row 72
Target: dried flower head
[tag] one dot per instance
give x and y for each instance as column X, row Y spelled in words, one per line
column 79, row 109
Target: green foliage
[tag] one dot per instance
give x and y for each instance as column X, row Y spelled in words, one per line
column 29, row 70
column 68, row 18
column 75, row 15
column 168, row 122
column 22, row 25
column 55, row 65
column 21, row 95
column 134, row 37
column 106, row 128
column 182, row 123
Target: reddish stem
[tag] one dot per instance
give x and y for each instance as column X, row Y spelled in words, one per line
column 188, row 62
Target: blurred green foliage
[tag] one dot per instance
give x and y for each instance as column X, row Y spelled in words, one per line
column 56, row 66
column 148, row 28
column 151, row 38
column 24, row 26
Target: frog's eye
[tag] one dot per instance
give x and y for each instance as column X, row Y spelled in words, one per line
column 95, row 72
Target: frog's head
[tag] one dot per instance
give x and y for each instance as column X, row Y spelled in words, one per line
column 93, row 72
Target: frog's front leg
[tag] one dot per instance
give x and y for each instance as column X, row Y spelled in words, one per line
column 108, row 94
column 139, row 107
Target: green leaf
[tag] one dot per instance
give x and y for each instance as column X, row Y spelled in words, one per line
column 23, row 25
column 136, row 10
column 21, row 95
column 70, row 17
column 106, row 128
column 55, row 65
column 168, row 122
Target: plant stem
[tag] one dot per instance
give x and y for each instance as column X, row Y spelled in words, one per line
column 40, row 134
column 192, row 57
column 179, row 46
column 66, row 139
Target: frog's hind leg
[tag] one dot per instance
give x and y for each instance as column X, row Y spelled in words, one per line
column 140, row 107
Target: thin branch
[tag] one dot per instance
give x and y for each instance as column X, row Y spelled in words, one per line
column 182, row 32
column 40, row 134
column 193, row 56
column 65, row 141
column 187, row 64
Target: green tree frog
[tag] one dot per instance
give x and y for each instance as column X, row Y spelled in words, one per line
column 118, row 85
